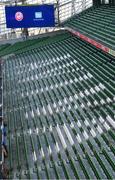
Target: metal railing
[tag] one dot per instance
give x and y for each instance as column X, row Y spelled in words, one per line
column 63, row 11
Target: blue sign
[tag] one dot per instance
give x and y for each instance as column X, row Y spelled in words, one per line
column 30, row 16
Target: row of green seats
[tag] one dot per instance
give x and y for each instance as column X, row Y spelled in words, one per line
column 101, row 22
column 59, row 104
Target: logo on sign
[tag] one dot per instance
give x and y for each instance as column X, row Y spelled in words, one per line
column 19, row 16
column 38, row 15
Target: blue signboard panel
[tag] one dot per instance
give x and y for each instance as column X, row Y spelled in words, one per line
column 30, row 16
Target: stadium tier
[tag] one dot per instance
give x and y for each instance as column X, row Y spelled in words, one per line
column 59, row 105
column 27, row 45
column 96, row 23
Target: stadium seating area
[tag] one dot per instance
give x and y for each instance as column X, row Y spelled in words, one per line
column 96, row 23
column 59, row 101
column 23, row 46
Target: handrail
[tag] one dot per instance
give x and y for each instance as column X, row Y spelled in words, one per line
column 2, row 124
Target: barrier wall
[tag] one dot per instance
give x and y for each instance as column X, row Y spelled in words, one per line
column 91, row 41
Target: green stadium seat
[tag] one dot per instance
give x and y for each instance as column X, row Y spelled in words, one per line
column 101, row 22
column 59, row 104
